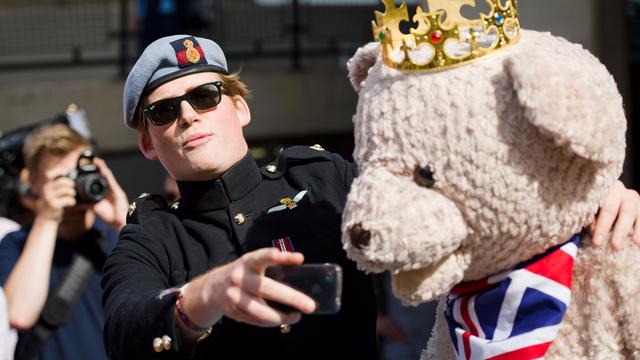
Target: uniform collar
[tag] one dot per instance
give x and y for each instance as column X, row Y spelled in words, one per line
column 218, row 193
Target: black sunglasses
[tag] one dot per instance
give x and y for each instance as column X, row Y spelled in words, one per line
column 203, row 97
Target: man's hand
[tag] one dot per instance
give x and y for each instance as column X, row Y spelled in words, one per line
column 57, row 193
column 113, row 208
column 239, row 289
column 622, row 207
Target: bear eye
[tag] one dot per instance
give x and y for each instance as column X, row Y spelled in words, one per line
column 423, row 176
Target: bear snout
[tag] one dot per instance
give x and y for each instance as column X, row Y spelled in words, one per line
column 359, row 236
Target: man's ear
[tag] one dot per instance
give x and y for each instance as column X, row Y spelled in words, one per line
column 146, row 145
column 24, row 179
column 242, row 110
column 28, row 198
column 24, row 175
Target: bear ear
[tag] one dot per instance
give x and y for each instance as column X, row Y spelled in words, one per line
column 571, row 97
column 359, row 65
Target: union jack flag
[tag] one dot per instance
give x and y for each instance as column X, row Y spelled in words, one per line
column 515, row 314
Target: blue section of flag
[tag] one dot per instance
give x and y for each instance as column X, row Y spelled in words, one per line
column 527, row 302
column 537, row 310
column 488, row 307
column 451, row 325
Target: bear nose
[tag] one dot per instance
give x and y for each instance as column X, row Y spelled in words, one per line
column 359, row 236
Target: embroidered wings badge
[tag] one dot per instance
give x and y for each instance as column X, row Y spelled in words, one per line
column 288, row 203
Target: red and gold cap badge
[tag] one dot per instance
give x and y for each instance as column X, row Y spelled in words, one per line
column 188, row 52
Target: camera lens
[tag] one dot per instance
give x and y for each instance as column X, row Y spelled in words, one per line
column 91, row 187
column 96, row 188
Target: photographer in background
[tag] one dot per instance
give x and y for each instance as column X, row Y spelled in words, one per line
column 70, row 224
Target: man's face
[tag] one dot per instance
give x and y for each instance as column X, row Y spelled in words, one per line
column 198, row 145
column 51, row 166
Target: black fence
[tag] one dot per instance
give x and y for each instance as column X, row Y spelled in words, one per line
column 60, row 33
column 53, row 33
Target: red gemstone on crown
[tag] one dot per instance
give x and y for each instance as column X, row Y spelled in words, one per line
column 436, row 36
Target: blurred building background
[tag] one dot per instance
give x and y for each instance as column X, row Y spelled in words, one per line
column 292, row 55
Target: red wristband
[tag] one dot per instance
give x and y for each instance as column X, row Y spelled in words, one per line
column 185, row 319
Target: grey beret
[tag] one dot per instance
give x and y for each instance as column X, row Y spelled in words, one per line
column 166, row 59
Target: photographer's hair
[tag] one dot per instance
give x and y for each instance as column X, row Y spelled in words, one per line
column 231, row 86
column 53, row 139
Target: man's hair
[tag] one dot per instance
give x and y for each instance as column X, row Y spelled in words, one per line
column 54, row 139
column 231, row 85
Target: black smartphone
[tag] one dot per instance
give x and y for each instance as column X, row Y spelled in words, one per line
column 321, row 282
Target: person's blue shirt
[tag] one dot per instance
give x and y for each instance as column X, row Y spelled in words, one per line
column 81, row 335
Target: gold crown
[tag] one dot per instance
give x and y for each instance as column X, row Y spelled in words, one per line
column 437, row 45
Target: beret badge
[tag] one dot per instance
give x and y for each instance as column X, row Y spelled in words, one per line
column 192, row 53
column 188, row 52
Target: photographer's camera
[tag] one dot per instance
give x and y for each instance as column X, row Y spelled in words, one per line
column 91, row 186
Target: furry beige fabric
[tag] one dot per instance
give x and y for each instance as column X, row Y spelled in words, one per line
column 523, row 146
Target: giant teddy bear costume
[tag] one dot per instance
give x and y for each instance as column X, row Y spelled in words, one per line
column 477, row 173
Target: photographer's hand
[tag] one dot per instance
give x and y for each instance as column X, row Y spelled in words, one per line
column 56, row 194
column 113, row 208
column 238, row 290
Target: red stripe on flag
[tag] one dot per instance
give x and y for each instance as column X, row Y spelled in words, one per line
column 471, row 287
column 531, row 352
column 467, row 345
column 464, row 311
column 557, row 266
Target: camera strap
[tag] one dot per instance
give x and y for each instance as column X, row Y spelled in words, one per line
column 88, row 258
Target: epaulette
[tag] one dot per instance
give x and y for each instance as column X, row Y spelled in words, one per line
column 295, row 155
column 144, row 204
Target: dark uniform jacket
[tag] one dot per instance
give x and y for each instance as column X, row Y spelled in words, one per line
column 214, row 223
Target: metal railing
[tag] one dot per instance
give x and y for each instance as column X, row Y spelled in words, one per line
column 40, row 33
column 62, row 33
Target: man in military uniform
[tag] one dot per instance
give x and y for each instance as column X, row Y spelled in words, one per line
column 188, row 280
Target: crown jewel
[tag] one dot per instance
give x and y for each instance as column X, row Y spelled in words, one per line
column 438, row 44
